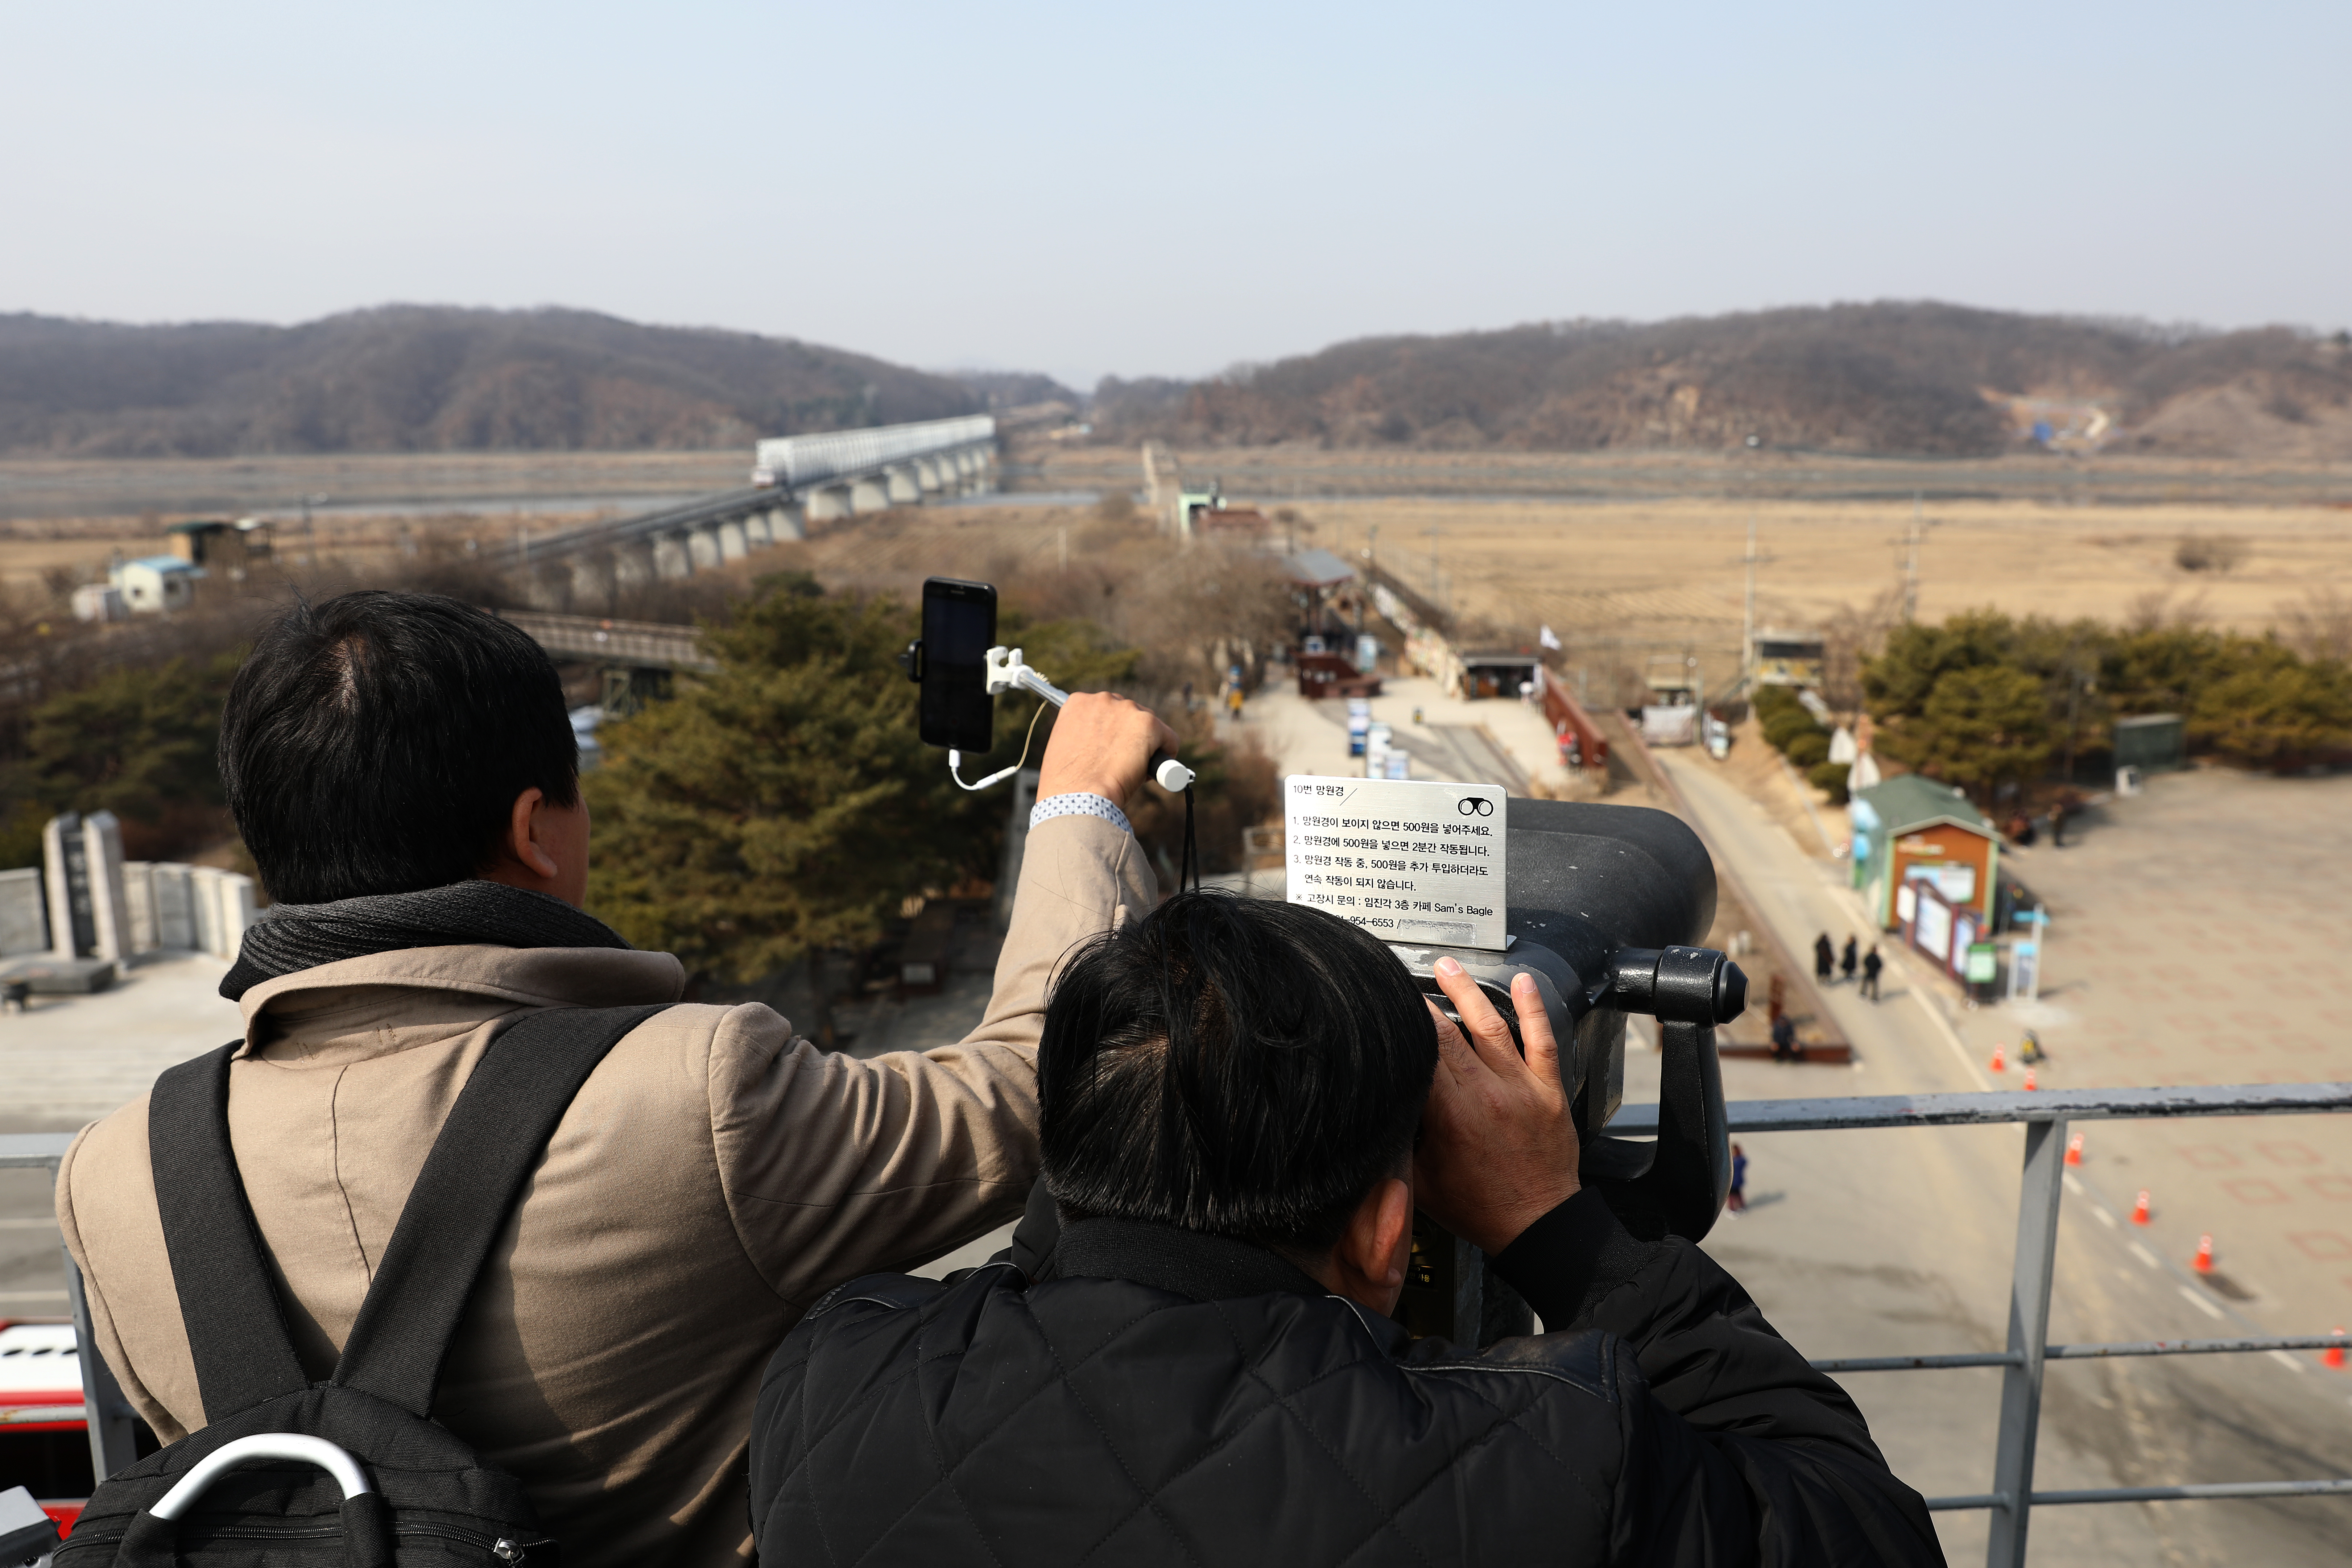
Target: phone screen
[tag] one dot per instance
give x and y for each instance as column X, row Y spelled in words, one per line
column 959, row 628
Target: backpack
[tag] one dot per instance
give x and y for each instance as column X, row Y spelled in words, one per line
column 287, row 1472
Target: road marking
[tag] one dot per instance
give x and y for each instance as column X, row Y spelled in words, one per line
column 2199, row 1302
column 2144, row 1256
column 2105, row 1217
column 1951, row 1036
column 2288, row 1362
column 2072, row 1185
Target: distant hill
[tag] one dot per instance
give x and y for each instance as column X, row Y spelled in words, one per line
column 425, row 379
column 1003, row 389
column 1880, row 378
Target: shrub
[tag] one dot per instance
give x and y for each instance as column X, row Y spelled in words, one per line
column 1782, row 728
column 1807, row 749
column 2204, row 552
column 1830, row 776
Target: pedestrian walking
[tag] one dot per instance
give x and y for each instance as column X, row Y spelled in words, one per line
column 1784, row 1038
column 1848, row 959
column 1824, row 959
column 2057, row 826
column 1738, row 1202
column 1776, row 996
column 1233, row 703
column 1871, row 965
column 1188, row 697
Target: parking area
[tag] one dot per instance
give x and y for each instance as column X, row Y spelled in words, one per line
column 2200, row 935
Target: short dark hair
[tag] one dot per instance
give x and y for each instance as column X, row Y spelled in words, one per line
column 1233, row 1065
column 375, row 743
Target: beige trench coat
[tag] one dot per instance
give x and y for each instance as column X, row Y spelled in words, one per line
column 714, row 1176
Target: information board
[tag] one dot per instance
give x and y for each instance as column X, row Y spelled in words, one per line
column 1409, row 861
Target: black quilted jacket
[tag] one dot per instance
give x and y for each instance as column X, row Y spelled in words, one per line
column 1180, row 1399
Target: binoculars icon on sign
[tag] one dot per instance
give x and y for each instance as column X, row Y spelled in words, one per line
column 1475, row 805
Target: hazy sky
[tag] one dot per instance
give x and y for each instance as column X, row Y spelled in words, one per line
column 1170, row 189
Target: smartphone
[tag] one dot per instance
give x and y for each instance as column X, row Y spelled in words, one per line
column 959, row 628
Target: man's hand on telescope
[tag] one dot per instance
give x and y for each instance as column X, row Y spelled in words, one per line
column 1497, row 1141
column 1100, row 746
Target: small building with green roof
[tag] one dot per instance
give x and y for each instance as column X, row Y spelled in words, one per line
column 1912, row 828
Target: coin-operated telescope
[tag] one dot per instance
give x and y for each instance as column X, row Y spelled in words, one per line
column 1606, row 904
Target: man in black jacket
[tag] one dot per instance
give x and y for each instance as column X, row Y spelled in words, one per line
column 1242, row 1104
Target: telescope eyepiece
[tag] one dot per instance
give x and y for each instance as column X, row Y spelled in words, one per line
column 1681, row 985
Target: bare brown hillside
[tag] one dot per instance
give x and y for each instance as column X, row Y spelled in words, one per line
column 1880, row 378
column 428, row 379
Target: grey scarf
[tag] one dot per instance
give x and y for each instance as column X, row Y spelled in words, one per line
column 291, row 937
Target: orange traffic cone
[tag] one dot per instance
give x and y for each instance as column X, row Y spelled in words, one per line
column 2074, row 1150
column 1998, row 1061
column 2028, row 1078
column 2334, row 1354
column 2139, row 1209
column 2203, row 1261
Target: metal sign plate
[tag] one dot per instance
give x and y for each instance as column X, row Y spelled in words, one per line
column 1409, row 861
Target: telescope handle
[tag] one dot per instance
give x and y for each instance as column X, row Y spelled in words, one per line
column 1676, row 1185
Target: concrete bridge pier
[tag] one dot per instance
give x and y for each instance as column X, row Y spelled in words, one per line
column 830, row 502
column 755, row 529
column 871, row 493
column 734, row 542
column 672, row 556
column 702, row 548
column 634, row 564
column 784, row 524
column 929, row 475
column 904, row 488
column 977, row 481
column 593, row 572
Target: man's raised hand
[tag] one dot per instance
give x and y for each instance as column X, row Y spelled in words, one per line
column 1100, row 744
column 1498, row 1145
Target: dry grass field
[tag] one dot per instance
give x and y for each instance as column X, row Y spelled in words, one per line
column 1623, row 556
column 1670, row 572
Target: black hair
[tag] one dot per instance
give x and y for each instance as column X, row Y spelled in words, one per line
column 375, row 743
column 1233, row 1065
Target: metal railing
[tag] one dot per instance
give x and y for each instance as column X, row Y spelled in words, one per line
column 649, row 644
column 2028, row 1352
column 104, row 1410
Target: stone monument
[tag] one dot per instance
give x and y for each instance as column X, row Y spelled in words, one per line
column 88, row 916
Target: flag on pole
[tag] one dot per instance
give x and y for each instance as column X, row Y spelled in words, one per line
column 1550, row 640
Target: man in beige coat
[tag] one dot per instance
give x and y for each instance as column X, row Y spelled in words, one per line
column 714, row 1176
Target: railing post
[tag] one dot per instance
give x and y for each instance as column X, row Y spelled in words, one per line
column 2028, row 1336
column 104, row 1410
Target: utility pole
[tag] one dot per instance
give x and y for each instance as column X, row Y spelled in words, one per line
column 1747, row 616
column 1911, row 570
column 2075, row 682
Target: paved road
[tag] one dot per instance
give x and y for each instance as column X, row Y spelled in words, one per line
column 1885, row 1242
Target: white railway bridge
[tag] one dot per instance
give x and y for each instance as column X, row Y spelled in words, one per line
column 796, row 480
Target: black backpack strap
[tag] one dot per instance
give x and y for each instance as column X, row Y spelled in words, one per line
column 493, row 1140
column 237, row 1327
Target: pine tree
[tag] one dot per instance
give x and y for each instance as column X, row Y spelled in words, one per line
column 785, row 804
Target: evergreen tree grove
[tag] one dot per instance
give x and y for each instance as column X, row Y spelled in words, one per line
column 785, row 804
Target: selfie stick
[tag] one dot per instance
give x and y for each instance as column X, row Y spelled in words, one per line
column 1007, row 673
